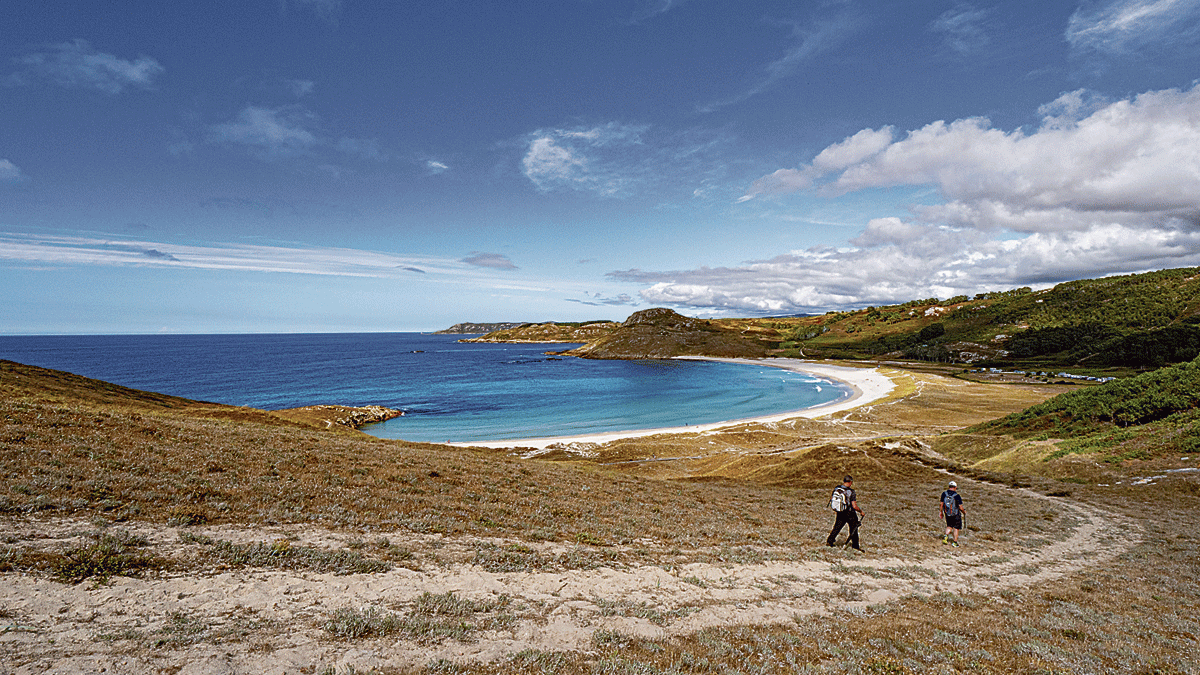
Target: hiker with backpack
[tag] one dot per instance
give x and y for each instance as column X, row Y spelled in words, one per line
column 952, row 511
column 845, row 503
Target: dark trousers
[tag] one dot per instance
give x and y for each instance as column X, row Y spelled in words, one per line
column 847, row 517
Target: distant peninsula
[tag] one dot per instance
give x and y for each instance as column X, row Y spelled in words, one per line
column 649, row 334
column 477, row 328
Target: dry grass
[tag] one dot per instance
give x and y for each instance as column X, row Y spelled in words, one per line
column 72, row 447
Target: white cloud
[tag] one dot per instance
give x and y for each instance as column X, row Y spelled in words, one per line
column 582, row 158
column 77, row 64
column 288, row 131
column 9, row 173
column 435, row 167
column 1120, row 26
column 90, row 250
column 623, row 160
column 276, row 131
column 1140, row 155
column 1100, row 188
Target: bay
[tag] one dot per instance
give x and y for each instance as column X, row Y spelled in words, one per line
column 450, row 391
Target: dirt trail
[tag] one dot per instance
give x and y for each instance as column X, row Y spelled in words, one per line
column 273, row 621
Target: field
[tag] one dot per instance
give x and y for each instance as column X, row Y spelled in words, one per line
column 141, row 533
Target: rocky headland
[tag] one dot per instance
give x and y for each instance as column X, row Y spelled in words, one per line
column 661, row 333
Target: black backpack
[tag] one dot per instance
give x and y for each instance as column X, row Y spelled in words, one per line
column 949, row 503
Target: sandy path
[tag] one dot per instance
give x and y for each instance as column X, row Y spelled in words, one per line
column 55, row 627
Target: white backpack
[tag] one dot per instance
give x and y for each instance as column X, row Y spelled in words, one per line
column 838, row 501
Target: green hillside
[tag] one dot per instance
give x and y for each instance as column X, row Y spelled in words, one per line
column 1133, row 321
column 1154, row 415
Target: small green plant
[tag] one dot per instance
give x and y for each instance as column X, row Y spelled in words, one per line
column 108, row 555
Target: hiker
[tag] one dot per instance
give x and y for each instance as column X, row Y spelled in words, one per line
column 845, row 503
column 952, row 510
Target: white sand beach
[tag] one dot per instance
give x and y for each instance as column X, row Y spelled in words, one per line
column 866, row 385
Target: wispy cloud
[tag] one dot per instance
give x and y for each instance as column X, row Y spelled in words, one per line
column 622, row 160
column 962, row 28
column 78, row 64
column 808, row 40
column 301, row 88
column 434, row 167
column 287, row 131
column 9, row 173
column 584, row 158
column 1121, row 26
column 276, row 132
column 84, row 250
column 600, row 300
column 1099, row 186
column 494, row 261
column 651, row 8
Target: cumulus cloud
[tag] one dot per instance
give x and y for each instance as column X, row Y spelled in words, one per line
column 491, row 260
column 78, row 64
column 1121, row 26
column 1101, row 187
column 9, row 173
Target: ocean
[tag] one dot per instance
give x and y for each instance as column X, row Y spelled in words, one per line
column 449, row 391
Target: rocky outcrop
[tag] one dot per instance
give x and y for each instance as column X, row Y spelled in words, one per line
column 660, row 333
column 344, row 416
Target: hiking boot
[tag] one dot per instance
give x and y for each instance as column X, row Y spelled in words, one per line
column 945, row 539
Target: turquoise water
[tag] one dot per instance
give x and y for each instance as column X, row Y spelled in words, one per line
column 450, row 391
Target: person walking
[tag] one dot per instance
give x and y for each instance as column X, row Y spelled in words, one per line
column 952, row 511
column 845, row 503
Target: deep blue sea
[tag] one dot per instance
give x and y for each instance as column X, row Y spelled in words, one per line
column 449, row 391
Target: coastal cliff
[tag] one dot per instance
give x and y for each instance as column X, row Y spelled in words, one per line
column 660, row 333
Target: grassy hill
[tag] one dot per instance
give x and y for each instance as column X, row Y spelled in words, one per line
column 1134, row 321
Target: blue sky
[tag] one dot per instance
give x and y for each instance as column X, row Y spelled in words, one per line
column 355, row 165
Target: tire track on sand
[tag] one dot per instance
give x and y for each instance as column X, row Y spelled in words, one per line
column 55, row 626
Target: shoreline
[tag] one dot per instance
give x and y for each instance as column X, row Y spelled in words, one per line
column 866, row 385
